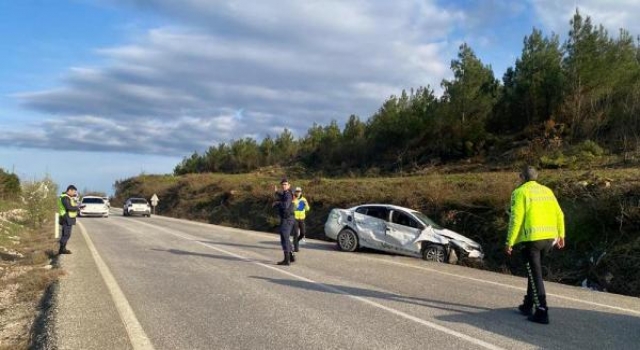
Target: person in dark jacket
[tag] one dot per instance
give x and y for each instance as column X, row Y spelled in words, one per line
column 284, row 204
column 68, row 210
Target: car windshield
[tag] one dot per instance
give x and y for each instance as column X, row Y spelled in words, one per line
column 92, row 201
column 138, row 201
column 425, row 220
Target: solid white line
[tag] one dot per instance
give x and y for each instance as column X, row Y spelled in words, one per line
column 576, row 300
column 137, row 336
column 399, row 313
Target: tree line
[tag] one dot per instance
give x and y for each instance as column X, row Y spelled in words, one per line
column 583, row 91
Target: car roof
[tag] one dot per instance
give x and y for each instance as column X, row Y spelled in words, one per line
column 391, row 206
column 130, row 198
column 83, row 197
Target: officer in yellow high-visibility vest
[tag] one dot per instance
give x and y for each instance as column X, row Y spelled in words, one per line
column 68, row 210
column 301, row 207
column 536, row 223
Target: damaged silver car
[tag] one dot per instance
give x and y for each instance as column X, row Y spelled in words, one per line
column 398, row 230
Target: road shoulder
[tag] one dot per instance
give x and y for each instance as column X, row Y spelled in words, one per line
column 85, row 313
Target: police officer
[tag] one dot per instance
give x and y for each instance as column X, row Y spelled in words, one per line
column 301, row 207
column 68, row 209
column 284, row 204
column 536, row 223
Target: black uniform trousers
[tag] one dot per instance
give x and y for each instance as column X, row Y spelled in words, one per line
column 286, row 225
column 66, row 234
column 299, row 231
column 533, row 253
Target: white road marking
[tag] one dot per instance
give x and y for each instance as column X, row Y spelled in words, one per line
column 137, row 336
column 576, row 300
column 592, row 303
column 399, row 313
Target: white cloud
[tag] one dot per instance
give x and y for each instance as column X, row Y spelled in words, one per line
column 612, row 14
column 284, row 63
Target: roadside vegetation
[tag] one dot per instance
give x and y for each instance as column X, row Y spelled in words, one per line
column 26, row 257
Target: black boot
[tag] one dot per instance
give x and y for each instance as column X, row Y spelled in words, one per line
column 527, row 306
column 292, row 257
column 540, row 316
column 286, row 261
column 63, row 249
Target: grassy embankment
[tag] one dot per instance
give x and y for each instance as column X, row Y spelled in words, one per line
column 601, row 208
column 25, row 272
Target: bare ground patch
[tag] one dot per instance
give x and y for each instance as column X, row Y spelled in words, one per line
column 26, row 272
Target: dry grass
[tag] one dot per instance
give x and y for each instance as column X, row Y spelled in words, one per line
column 25, row 273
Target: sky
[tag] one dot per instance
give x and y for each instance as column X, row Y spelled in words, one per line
column 94, row 91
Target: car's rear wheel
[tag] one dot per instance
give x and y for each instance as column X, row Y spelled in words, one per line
column 434, row 252
column 347, row 240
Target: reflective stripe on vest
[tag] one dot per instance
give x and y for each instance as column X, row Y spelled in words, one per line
column 62, row 210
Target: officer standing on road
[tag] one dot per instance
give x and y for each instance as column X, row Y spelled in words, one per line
column 301, row 207
column 284, row 204
column 68, row 209
column 536, row 223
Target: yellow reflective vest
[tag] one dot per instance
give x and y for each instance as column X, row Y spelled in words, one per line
column 535, row 214
column 62, row 210
column 301, row 207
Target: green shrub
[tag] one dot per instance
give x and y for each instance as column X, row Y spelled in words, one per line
column 588, row 148
column 9, row 185
column 39, row 198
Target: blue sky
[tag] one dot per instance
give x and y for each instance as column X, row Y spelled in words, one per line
column 92, row 91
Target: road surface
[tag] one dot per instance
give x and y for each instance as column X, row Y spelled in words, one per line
column 162, row 283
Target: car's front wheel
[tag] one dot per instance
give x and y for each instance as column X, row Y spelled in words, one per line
column 434, row 252
column 347, row 240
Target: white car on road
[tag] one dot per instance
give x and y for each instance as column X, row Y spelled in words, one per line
column 94, row 206
column 135, row 206
column 398, row 230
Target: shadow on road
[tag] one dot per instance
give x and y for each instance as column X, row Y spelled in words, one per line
column 204, row 255
column 569, row 329
column 240, row 245
column 306, row 245
column 369, row 293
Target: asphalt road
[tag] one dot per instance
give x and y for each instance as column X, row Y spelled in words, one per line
column 161, row 283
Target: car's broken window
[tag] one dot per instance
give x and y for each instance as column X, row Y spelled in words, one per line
column 376, row 212
column 403, row 219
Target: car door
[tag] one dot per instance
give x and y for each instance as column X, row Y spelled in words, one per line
column 371, row 224
column 401, row 233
